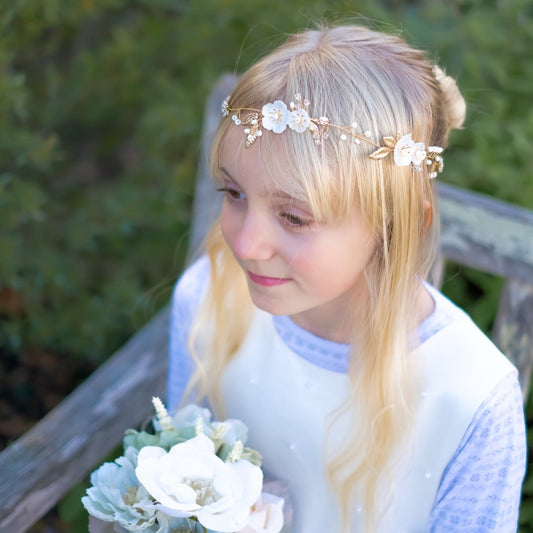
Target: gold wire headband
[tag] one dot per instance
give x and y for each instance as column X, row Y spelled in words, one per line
column 276, row 116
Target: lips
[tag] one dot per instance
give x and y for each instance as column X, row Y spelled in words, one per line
column 266, row 281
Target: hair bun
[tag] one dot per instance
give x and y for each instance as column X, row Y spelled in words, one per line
column 454, row 103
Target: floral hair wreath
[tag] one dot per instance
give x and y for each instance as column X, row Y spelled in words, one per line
column 276, row 116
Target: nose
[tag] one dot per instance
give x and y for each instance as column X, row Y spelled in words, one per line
column 254, row 238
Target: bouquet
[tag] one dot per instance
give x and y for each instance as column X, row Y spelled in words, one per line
column 190, row 474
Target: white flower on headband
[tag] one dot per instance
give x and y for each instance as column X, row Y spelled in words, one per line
column 408, row 152
column 299, row 120
column 275, row 116
column 224, row 108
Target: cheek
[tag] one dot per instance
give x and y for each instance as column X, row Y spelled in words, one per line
column 228, row 225
column 333, row 263
column 312, row 263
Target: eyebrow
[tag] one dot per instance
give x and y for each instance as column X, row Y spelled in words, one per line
column 275, row 194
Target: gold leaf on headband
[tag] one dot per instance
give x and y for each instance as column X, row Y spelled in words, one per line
column 381, row 152
column 389, row 141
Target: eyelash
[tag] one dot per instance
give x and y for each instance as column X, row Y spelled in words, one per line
column 295, row 221
column 291, row 220
column 231, row 194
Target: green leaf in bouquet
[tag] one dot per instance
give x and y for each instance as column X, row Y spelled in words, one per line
column 187, row 433
column 169, row 438
column 223, row 450
column 253, row 456
column 139, row 439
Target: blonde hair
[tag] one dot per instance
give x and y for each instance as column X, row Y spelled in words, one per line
column 348, row 73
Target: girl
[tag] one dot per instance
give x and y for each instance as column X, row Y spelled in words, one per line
column 375, row 397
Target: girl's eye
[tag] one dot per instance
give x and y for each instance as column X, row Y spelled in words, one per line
column 231, row 193
column 297, row 221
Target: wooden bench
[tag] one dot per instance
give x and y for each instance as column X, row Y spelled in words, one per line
column 59, row 451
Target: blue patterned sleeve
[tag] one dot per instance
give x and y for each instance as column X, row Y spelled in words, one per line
column 481, row 487
column 185, row 302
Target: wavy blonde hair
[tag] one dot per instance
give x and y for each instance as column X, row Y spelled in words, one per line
column 348, row 73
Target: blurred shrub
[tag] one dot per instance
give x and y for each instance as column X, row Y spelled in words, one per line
column 97, row 154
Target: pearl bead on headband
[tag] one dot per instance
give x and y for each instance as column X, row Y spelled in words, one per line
column 276, row 116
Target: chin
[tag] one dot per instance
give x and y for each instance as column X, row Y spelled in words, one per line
column 271, row 305
column 271, row 308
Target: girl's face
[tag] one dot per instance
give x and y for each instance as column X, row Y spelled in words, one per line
column 294, row 265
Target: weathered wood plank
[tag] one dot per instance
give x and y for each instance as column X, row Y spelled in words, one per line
column 73, row 438
column 513, row 329
column 486, row 234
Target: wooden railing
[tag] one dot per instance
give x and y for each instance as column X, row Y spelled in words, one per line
column 59, row 451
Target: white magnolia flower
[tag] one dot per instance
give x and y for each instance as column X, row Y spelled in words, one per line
column 275, row 116
column 266, row 515
column 190, row 480
column 407, row 152
column 299, row 120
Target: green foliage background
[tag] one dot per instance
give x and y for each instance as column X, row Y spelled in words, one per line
column 101, row 107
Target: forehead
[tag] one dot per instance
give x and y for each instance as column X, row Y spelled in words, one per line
column 233, row 152
column 237, row 162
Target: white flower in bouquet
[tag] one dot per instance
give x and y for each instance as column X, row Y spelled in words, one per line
column 193, row 419
column 190, row 480
column 116, row 495
column 189, row 416
column 266, row 515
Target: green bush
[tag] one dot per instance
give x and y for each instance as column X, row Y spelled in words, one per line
column 97, row 155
